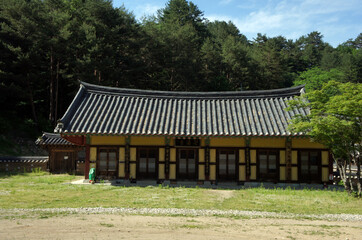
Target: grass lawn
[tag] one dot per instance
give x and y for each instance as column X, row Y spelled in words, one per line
column 42, row 190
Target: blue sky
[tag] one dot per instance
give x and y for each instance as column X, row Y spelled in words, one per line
column 337, row 20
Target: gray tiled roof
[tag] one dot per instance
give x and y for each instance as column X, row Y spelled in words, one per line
column 107, row 110
column 52, row 139
column 24, row 159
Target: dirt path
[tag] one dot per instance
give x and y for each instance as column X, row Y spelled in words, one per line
column 107, row 226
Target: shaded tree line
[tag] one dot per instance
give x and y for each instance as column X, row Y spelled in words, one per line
column 48, row 46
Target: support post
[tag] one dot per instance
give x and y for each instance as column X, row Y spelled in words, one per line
column 127, row 157
column 207, row 159
column 247, row 158
column 167, row 158
column 288, row 159
column 86, row 164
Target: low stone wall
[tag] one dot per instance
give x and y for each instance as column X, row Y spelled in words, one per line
column 23, row 164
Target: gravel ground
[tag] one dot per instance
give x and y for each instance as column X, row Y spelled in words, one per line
column 189, row 212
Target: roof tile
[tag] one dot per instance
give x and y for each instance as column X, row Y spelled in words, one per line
column 106, row 110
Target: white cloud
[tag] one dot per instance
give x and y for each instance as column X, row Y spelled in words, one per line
column 292, row 19
column 146, row 10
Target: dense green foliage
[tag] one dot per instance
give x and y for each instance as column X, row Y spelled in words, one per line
column 47, row 46
column 41, row 190
column 335, row 120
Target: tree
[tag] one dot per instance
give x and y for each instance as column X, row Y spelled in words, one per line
column 176, row 36
column 330, row 58
column 237, row 63
column 335, row 120
column 270, row 54
column 47, row 46
column 23, row 38
column 314, row 78
column 312, row 47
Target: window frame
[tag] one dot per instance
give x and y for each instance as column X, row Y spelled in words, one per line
column 108, row 174
column 310, row 178
column 148, row 175
column 187, row 176
column 268, row 177
column 235, row 176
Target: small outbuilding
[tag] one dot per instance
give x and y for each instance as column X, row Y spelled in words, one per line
column 64, row 156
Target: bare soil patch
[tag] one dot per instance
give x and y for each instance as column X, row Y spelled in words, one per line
column 222, row 194
column 108, row 226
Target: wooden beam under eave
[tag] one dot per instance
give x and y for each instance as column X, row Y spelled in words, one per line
column 79, row 140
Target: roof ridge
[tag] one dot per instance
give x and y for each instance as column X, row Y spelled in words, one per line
column 281, row 92
column 51, row 134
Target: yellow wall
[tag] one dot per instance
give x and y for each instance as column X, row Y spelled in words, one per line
column 212, row 175
column 133, row 154
column 93, row 154
column 294, row 174
column 172, row 154
column 201, row 172
column 172, row 142
column 172, row 173
column 282, row 157
column 253, row 172
column 305, row 143
column 212, row 172
column 282, row 173
column 202, row 142
column 201, row 167
column 241, row 156
column 121, row 167
column 227, row 142
column 201, row 155
column 213, row 155
column 161, row 154
column 325, row 156
column 242, row 175
column 133, row 170
column 148, row 141
column 161, row 171
column 325, row 173
column 122, row 151
column 294, row 157
column 267, row 142
column 133, row 158
column 108, row 140
column 253, row 156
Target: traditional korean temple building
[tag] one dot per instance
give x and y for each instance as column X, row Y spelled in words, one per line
column 192, row 136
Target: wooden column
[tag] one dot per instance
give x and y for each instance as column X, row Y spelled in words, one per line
column 207, row 159
column 86, row 164
column 288, row 159
column 167, row 158
column 127, row 157
column 247, row 158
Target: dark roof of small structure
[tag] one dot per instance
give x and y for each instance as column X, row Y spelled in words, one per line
column 24, row 159
column 117, row 111
column 52, row 139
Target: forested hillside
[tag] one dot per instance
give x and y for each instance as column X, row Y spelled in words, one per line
column 48, row 46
